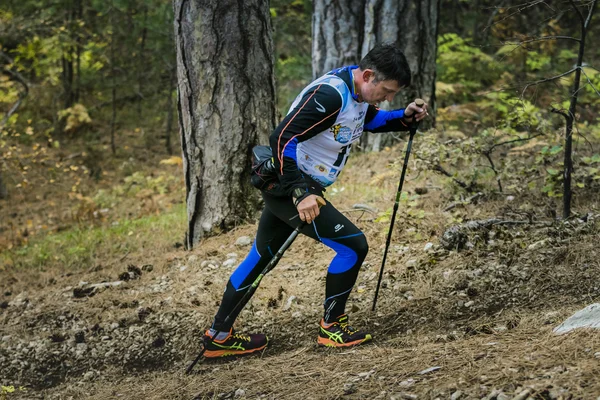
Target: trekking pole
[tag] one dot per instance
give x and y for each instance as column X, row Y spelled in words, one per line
column 255, row 284
column 413, row 130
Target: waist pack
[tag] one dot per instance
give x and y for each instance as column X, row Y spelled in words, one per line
column 264, row 174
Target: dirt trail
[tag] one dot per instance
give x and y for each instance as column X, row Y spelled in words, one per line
column 480, row 317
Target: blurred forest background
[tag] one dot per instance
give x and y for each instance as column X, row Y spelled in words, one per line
column 89, row 131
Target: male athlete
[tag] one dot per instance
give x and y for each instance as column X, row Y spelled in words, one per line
column 310, row 148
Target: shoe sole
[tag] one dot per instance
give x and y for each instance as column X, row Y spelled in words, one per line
column 321, row 341
column 227, row 353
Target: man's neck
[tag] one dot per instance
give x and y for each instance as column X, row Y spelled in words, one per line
column 356, row 73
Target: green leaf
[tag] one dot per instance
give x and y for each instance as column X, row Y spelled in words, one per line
column 555, row 150
column 552, row 171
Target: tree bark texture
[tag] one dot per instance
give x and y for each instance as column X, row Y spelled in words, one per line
column 226, row 104
column 336, row 35
column 344, row 31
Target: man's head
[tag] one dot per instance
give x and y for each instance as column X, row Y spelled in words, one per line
column 382, row 73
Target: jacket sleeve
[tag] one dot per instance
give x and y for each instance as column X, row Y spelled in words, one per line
column 378, row 120
column 316, row 111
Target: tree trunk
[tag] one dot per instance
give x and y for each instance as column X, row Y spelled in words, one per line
column 3, row 191
column 336, row 35
column 226, row 104
column 142, row 60
column 568, row 158
column 170, row 107
column 413, row 25
column 113, row 71
column 67, row 58
column 79, row 47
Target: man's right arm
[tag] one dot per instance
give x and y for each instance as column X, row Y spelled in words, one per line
column 315, row 112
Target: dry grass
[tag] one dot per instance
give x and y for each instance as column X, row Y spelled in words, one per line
column 419, row 322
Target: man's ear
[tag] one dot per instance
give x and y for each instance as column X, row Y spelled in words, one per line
column 368, row 74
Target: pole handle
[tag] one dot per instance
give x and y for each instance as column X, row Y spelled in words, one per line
column 415, row 124
column 321, row 201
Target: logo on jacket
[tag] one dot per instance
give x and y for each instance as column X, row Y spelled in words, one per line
column 320, row 106
column 341, row 134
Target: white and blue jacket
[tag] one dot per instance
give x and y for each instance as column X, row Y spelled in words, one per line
column 315, row 137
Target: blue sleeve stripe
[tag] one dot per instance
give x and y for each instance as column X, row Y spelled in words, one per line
column 382, row 117
column 290, row 149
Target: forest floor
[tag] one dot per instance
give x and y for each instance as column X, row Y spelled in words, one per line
column 469, row 323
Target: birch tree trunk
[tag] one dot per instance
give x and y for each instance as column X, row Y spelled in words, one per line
column 226, row 104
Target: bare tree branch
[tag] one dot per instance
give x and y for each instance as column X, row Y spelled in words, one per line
column 590, row 82
column 589, row 17
column 549, row 79
column 578, row 12
column 543, row 38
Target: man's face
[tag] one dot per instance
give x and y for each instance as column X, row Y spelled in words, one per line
column 374, row 92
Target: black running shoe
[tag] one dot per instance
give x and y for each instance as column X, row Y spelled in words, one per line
column 340, row 334
column 236, row 344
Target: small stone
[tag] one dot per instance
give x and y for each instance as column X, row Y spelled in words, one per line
column 456, row 395
column 182, row 268
column 469, row 303
column 88, row 376
column 408, row 396
column 407, row 383
column 429, row 370
column 193, row 258
column 243, row 241
column 147, row 268
column 411, row 263
column 239, row 393
column 597, row 354
column 232, row 255
column 538, row 244
column 428, row 246
column 349, row 388
column 510, row 198
column 288, row 303
column 230, row 262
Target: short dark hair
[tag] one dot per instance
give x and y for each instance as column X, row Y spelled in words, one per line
column 388, row 62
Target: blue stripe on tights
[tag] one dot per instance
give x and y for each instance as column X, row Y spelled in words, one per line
column 348, row 236
column 244, row 269
column 344, row 259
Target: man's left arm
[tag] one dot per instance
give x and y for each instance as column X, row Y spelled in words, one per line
column 378, row 120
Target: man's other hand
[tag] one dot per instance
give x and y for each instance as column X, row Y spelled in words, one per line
column 308, row 208
column 413, row 110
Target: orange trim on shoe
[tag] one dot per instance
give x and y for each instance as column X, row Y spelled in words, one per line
column 225, row 353
column 330, row 343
